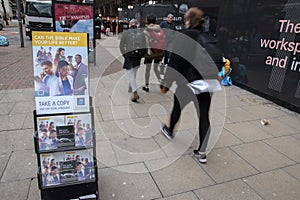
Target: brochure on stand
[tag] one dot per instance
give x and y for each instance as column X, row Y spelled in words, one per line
column 63, row 132
column 61, row 168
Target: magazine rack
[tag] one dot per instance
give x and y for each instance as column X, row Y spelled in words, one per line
column 66, row 155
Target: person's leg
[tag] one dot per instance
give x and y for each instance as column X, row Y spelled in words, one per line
column 182, row 97
column 166, row 57
column 132, row 81
column 131, row 75
column 203, row 101
column 157, row 70
column 148, row 63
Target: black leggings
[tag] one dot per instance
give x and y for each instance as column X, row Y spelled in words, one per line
column 182, row 97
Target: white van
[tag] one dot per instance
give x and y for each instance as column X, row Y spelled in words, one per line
column 1, row 22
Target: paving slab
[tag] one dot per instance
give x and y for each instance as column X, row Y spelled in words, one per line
column 297, row 136
column 131, row 150
column 147, row 109
column 22, row 165
column 287, row 145
column 5, row 108
column 227, row 139
column 275, row 185
column 105, row 155
column 34, row 192
column 143, row 127
column 276, row 127
column 180, row 145
column 23, row 107
column 292, row 121
column 4, row 157
column 234, row 115
column 117, row 183
column 235, row 101
column 262, row 156
column 16, row 140
column 247, row 132
column 17, row 97
column 17, row 190
column 265, row 111
column 229, row 190
column 29, row 121
column 182, row 175
column 113, row 129
column 109, row 113
column 224, row 165
column 11, row 122
column 185, row 196
column 293, row 171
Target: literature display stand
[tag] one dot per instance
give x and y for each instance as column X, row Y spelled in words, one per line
column 64, row 129
column 66, row 155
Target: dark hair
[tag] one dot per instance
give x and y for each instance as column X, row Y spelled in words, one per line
column 47, row 63
column 78, row 56
column 151, row 19
column 52, row 131
column 195, row 17
column 62, row 63
column 61, row 49
column 44, row 130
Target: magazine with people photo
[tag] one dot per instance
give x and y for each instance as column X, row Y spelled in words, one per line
column 47, row 134
column 84, row 163
column 83, row 129
column 50, row 170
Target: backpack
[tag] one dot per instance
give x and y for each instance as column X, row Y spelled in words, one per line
column 158, row 42
column 136, row 44
column 209, row 43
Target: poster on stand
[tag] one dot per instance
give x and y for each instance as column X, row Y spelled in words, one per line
column 75, row 18
column 61, row 77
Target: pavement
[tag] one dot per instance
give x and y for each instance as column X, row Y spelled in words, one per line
column 246, row 160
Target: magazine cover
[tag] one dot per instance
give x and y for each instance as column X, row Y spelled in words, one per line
column 50, row 168
column 84, row 164
column 75, row 18
column 60, row 72
column 83, row 129
column 65, row 136
column 47, row 133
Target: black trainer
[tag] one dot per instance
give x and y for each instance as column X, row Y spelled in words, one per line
column 167, row 133
column 145, row 88
column 202, row 156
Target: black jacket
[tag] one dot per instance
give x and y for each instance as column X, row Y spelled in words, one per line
column 129, row 62
column 180, row 69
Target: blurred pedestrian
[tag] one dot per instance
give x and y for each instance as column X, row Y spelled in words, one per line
column 152, row 56
column 132, row 47
column 183, row 95
column 168, row 24
column 114, row 27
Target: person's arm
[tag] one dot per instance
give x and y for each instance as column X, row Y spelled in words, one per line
column 123, row 43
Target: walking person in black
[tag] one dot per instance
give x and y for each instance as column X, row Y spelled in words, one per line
column 168, row 24
column 114, row 27
column 183, row 94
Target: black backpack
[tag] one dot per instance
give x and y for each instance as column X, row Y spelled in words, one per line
column 210, row 44
column 136, row 44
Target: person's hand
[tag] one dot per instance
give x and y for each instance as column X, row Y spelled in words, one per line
column 219, row 78
column 163, row 89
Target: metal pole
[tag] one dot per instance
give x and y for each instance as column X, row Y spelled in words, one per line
column 20, row 23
